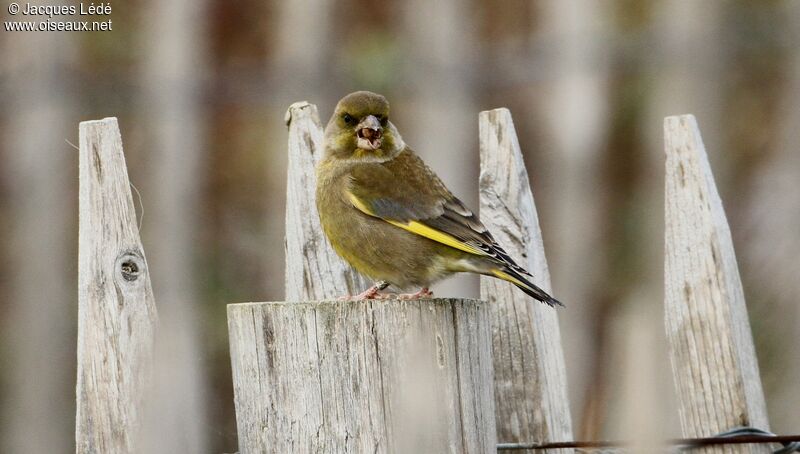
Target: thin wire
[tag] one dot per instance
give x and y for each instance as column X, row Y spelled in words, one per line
column 790, row 446
column 739, row 435
column 141, row 206
column 138, row 194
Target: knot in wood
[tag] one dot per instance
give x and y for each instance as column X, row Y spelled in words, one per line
column 129, row 266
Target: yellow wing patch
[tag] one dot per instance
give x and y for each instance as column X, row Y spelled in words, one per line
column 359, row 204
column 437, row 235
column 509, row 278
column 421, row 229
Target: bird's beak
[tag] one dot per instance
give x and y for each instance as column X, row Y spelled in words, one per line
column 369, row 133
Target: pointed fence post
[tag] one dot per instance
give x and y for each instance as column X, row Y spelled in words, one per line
column 313, row 270
column 116, row 309
column 713, row 358
column 354, row 376
column 530, row 380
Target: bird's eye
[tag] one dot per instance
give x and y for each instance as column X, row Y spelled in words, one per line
column 383, row 119
column 348, row 119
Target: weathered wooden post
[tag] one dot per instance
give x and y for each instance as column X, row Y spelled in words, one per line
column 378, row 376
column 116, row 310
column 340, row 377
column 313, row 270
column 530, row 383
column 711, row 347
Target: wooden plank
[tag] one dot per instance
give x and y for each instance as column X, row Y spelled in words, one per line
column 363, row 376
column 116, row 309
column 713, row 359
column 530, row 380
column 313, row 270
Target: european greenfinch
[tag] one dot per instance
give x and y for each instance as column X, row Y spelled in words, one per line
column 386, row 213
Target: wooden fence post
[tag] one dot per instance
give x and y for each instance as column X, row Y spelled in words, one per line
column 374, row 376
column 116, row 309
column 713, row 359
column 530, row 380
column 313, row 270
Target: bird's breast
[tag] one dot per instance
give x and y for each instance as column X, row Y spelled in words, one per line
column 371, row 245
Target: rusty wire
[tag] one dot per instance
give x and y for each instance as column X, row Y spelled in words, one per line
column 739, row 435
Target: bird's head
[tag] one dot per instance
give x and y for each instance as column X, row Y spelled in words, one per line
column 360, row 129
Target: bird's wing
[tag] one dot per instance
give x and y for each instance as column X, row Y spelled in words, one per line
column 407, row 194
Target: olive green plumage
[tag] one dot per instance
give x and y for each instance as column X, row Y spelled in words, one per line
column 386, row 213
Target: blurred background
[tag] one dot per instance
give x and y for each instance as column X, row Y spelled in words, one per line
column 200, row 88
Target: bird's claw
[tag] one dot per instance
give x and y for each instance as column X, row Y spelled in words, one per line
column 367, row 296
column 372, row 293
column 423, row 293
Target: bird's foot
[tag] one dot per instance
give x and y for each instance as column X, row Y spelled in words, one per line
column 372, row 293
column 421, row 294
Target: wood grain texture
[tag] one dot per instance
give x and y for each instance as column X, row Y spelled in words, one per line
column 313, row 270
column 711, row 347
column 530, row 379
column 365, row 376
column 116, row 309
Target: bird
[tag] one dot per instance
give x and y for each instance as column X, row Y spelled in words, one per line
column 387, row 214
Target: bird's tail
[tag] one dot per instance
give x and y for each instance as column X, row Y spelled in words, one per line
column 518, row 279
